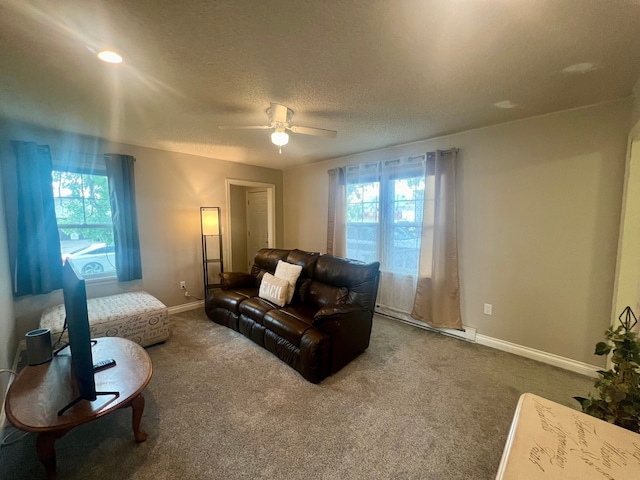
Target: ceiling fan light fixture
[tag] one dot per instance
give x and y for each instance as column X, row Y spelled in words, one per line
column 280, row 122
column 109, row 56
column 280, row 138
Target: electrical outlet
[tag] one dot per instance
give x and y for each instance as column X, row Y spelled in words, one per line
column 183, row 285
column 488, row 309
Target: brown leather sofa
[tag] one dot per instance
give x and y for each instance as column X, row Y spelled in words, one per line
column 328, row 322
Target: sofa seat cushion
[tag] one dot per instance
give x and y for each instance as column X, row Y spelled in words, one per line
column 286, row 326
column 255, row 308
column 231, row 299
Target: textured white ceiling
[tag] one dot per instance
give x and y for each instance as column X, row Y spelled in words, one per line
column 381, row 73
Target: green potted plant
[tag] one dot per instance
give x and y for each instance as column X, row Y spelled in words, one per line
column 618, row 401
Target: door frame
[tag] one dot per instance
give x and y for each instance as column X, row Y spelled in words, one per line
column 271, row 211
column 247, row 191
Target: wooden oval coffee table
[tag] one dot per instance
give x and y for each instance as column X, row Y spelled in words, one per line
column 40, row 391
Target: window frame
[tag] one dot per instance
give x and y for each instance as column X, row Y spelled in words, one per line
column 386, row 224
column 107, row 276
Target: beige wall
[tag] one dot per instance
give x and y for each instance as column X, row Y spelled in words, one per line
column 170, row 189
column 8, row 339
column 635, row 115
column 539, row 209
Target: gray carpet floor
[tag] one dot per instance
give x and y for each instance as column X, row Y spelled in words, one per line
column 415, row 405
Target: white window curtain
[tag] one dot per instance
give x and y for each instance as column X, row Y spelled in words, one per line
column 402, row 213
column 336, row 233
column 384, row 207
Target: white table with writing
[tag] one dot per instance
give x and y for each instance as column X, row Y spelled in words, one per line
column 550, row 441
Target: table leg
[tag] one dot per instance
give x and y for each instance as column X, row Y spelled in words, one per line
column 45, row 448
column 137, row 405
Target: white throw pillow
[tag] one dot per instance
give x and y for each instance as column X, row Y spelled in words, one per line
column 290, row 273
column 274, row 289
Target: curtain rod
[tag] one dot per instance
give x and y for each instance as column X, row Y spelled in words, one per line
column 430, row 156
column 59, row 150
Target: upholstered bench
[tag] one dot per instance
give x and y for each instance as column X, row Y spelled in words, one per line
column 137, row 316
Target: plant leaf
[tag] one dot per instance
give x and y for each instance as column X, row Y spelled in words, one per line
column 581, row 400
column 602, row 348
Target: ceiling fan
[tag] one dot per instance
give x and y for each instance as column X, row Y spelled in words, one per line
column 280, row 122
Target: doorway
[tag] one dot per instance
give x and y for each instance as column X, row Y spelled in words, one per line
column 257, row 223
column 250, row 223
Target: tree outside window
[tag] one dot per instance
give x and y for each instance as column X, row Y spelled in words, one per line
column 83, row 213
column 363, row 213
column 385, row 221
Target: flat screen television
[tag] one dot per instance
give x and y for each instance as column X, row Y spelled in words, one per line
column 80, row 343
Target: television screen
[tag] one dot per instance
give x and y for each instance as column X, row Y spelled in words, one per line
column 75, row 304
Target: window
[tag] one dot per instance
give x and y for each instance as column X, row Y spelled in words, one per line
column 83, row 212
column 363, row 215
column 384, row 215
column 404, row 230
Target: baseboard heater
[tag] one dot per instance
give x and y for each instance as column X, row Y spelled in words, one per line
column 468, row 333
column 471, row 335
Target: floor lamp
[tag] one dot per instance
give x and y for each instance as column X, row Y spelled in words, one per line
column 211, row 248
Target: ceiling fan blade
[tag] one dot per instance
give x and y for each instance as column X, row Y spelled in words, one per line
column 250, row 127
column 278, row 113
column 319, row 132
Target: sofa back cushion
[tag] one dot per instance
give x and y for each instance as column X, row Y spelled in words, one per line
column 358, row 278
column 266, row 260
column 307, row 260
column 320, row 294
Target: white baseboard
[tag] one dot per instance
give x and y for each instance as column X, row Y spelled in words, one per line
column 539, row 355
column 22, row 345
column 470, row 334
column 186, row 307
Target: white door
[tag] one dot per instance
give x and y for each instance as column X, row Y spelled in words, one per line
column 257, row 223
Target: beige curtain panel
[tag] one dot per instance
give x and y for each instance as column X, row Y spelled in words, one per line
column 437, row 300
column 336, row 223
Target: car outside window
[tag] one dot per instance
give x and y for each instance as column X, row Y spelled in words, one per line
column 83, row 213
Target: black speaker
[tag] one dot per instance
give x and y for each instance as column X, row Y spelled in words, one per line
column 38, row 346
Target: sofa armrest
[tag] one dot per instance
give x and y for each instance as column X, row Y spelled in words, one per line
column 335, row 312
column 349, row 327
column 229, row 280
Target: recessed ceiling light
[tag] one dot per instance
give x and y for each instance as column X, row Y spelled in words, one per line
column 109, row 56
column 580, row 68
column 506, row 104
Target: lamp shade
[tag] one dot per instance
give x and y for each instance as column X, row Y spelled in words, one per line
column 210, row 218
